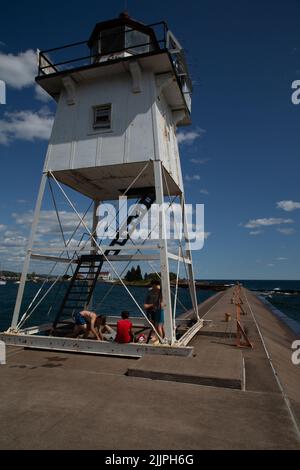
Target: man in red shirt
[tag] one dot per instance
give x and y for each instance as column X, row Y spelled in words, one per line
column 124, row 329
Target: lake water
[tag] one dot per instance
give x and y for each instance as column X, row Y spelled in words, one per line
column 118, row 299
column 114, row 302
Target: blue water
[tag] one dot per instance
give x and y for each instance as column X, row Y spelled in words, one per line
column 114, row 303
column 284, row 301
column 119, row 299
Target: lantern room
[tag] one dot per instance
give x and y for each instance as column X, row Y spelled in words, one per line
column 121, row 37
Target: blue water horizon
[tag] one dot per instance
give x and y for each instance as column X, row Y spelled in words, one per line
column 118, row 299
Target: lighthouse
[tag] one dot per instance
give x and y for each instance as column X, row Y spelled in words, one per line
column 121, row 95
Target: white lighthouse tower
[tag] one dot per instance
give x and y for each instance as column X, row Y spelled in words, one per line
column 119, row 104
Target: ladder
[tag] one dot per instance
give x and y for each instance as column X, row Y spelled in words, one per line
column 83, row 282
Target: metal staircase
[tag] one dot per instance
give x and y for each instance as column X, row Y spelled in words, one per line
column 83, row 282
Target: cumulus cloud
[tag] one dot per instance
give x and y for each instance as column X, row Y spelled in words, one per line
column 287, row 231
column 281, row 258
column 204, row 191
column 199, row 161
column 192, row 178
column 2, row 227
column 14, row 241
column 18, row 71
column 41, row 94
column 48, row 224
column 254, row 223
column 288, row 206
column 256, row 232
column 25, row 125
column 190, row 136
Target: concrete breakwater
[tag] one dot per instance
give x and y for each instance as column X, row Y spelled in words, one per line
column 223, row 397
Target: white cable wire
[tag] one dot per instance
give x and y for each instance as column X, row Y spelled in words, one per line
column 104, row 256
column 27, row 313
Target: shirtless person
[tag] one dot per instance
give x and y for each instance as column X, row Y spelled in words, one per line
column 85, row 322
column 103, row 328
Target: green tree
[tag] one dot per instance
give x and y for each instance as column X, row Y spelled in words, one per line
column 138, row 274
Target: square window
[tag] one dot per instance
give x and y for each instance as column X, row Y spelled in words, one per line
column 102, row 117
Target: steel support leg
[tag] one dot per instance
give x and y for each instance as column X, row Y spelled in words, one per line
column 28, row 252
column 94, row 247
column 164, row 261
column 190, row 268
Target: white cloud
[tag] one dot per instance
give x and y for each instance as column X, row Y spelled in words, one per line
column 190, row 136
column 41, row 94
column 287, row 231
column 25, row 125
column 2, row 227
column 253, row 223
column 271, row 265
column 256, row 232
column 11, row 233
column 192, row 178
column 199, row 161
column 281, row 258
column 48, row 224
column 288, row 205
column 14, row 241
column 204, row 191
column 18, row 71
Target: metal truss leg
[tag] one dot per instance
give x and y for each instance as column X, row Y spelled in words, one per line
column 164, row 261
column 190, row 268
column 94, row 247
column 28, row 251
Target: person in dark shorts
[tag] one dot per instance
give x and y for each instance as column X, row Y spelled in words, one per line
column 153, row 306
column 124, row 329
column 85, row 323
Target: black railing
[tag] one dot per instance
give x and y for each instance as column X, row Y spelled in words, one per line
column 56, row 60
column 60, row 59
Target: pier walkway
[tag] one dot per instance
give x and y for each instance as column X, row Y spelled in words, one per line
column 222, row 398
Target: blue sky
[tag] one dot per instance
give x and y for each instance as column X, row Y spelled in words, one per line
column 241, row 157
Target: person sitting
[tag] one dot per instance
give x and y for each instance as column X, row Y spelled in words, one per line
column 103, row 328
column 85, row 323
column 124, row 329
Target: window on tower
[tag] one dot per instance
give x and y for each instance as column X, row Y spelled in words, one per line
column 102, row 116
column 112, row 40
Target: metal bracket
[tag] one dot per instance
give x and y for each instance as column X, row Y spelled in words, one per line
column 136, row 75
column 70, row 88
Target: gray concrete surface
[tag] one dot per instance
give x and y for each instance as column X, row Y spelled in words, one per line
column 53, row 400
column 212, row 366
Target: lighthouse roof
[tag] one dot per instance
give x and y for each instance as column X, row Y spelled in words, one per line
column 123, row 20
